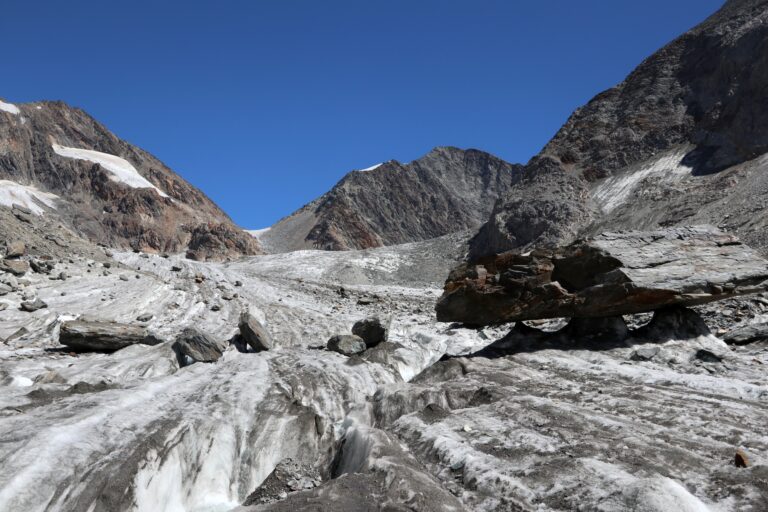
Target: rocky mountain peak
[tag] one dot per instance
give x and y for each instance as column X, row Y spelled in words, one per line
column 445, row 191
column 106, row 189
column 680, row 140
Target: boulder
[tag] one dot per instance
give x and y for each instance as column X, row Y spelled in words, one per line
column 15, row 267
column 254, row 333
column 747, row 334
column 193, row 345
column 41, row 266
column 15, row 249
column 645, row 353
column 346, row 344
column 100, row 336
column 371, row 330
column 5, row 289
column 608, row 275
column 33, row 305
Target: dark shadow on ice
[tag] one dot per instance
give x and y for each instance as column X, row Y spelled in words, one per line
column 599, row 334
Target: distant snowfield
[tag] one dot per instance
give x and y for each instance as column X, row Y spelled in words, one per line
column 256, row 233
column 13, row 193
column 371, row 167
column 9, row 107
column 120, row 170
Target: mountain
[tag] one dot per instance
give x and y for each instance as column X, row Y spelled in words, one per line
column 682, row 140
column 445, row 191
column 57, row 161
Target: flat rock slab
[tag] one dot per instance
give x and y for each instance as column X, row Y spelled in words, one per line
column 608, row 275
column 101, row 336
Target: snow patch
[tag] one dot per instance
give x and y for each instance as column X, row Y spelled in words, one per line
column 13, row 193
column 614, row 191
column 9, row 107
column 256, row 233
column 371, row 167
column 120, row 170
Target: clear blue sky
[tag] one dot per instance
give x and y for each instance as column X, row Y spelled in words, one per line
column 265, row 104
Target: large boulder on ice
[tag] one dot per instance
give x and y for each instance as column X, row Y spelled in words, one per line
column 83, row 335
column 193, row 345
column 371, row 330
column 254, row 333
column 610, row 274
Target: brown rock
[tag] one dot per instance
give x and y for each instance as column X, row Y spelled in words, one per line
column 741, row 460
column 15, row 249
column 15, row 267
column 610, row 274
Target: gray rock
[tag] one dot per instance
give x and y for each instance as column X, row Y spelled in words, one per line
column 254, row 333
column 645, row 353
column 747, row 334
column 33, row 305
column 198, row 346
column 346, row 344
column 10, row 280
column 608, row 275
column 146, row 317
column 85, row 335
column 123, row 277
column 5, row 289
column 41, row 266
column 371, row 330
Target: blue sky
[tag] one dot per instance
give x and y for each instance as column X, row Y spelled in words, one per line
column 265, row 104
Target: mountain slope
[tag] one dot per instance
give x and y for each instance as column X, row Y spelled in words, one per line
column 105, row 189
column 446, row 191
column 680, row 140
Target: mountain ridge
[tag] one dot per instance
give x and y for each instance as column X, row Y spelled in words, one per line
column 111, row 191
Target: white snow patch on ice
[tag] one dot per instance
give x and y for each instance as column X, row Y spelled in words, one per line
column 9, row 107
column 120, row 169
column 614, row 191
column 13, row 193
column 371, row 167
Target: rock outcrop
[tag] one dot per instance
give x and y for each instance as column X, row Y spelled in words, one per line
column 610, row 274
column 63, row 164
column 445, row 191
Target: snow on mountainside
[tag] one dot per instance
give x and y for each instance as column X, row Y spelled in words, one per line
column 12, row 193
column 109, row 191
column 120, row 170
column 10, row 108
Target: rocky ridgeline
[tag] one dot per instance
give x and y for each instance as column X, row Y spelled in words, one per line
column 445, row 191
column 608, row 275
